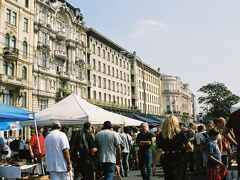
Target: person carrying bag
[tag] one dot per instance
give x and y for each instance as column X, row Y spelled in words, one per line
column 170, row 143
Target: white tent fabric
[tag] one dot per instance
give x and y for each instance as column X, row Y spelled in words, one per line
column 235, row 107
column 73, row 110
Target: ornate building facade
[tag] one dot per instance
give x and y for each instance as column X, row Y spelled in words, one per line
column 60, row 51
column 16, row 49
column 16, row 52
column 177, row 98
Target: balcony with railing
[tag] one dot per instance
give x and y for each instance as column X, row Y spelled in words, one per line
column 13, row 81
column 60, row 55
column 70, row 41
column 60, row 35
column 10, row 53
column 42, row 45
column 64, row 75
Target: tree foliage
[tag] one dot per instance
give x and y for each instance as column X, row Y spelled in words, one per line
column 217, row 99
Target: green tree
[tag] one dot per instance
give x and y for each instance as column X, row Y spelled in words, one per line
column 217, row 99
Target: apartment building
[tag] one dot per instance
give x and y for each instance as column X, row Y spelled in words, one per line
column 145, row 87
column 177, row 98
column 109, row 76
column 16, row 50
column 60, row 51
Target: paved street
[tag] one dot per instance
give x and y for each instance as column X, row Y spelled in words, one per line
column 135, row 175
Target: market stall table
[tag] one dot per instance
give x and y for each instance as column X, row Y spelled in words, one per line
column 13, row 172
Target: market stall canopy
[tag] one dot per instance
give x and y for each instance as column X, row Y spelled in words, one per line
column 131, row 122
column 235, row 107
column 152, row 122
column 11, row 113
column 73, row 110
column 155, row 118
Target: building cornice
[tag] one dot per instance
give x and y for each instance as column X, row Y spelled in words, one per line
column 92, row 32
column 147, row 67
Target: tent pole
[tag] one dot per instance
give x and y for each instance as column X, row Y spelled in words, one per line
column 35, row 124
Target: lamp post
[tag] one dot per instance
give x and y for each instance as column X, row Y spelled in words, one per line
column 135, row 57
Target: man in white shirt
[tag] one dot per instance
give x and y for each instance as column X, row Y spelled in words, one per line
column 57, row 153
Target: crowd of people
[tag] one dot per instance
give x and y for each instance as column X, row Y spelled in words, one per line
column 112, row 152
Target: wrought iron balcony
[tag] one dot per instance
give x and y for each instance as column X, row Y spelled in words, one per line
column 60, row 55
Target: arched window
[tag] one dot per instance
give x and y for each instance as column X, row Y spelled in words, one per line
column 11, row 69
column 25, row 48
column 24, row 72
column 5, row 67
column 7, row 39
column 13, row 42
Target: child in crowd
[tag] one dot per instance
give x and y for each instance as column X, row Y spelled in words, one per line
column 216, row 169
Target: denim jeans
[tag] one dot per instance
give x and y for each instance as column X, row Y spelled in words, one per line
column 125, row 164
column 145, row 162
column 108, row 170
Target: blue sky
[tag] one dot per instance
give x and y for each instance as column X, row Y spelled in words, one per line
column 196, row 40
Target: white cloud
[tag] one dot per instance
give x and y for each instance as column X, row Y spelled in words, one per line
column 147, row 28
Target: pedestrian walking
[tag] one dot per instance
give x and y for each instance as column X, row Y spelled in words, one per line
column 171, row 143
column 127, row 142
column 134, row 150
column 85, row 148
column 144, row 141
column 109, row 150
column 57, row 154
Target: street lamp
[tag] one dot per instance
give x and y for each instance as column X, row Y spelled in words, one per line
column 135, row 57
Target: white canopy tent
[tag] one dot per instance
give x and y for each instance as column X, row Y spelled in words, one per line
column 235, row 107
column 74, row 110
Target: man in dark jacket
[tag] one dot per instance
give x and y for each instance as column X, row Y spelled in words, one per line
column 85, row 148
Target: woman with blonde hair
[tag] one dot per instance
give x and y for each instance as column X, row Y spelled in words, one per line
column 171, row 143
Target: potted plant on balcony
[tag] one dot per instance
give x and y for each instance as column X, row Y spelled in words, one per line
column 64, row 92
